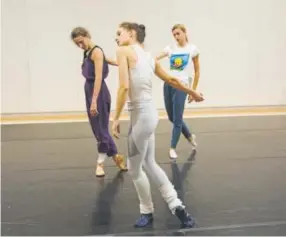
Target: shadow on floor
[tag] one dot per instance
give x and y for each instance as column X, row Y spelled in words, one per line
column 178, row 178
column 102, row 215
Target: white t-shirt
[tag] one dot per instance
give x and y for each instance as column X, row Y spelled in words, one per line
column 181, row 63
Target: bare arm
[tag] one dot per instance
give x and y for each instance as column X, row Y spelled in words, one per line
column 111, row 62
column 97, row 58
column 122, row 92
column 197, row 72
column 160, row 72
column 161, row 56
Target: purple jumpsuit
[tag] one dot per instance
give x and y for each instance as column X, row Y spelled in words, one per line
column 100, row 122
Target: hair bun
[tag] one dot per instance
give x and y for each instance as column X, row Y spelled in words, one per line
column 142, row 27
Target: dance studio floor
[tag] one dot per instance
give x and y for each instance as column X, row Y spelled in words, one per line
column 234, row 185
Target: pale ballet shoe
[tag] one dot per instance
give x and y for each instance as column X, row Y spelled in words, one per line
column 99, row 172
column 119, row 161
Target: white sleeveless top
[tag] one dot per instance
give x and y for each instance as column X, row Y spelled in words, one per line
column 140, row 79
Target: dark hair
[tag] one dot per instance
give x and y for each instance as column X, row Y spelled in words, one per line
column 138, row 28
column 79, row 31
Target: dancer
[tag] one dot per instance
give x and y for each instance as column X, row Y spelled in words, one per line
column 136, row 70
column 183, row 58
column 95, row 70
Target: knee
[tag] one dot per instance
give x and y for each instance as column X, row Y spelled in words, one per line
column 169, row 114
column 135, row 174
column 150, row 166
column 178, row 123
column 134, row 170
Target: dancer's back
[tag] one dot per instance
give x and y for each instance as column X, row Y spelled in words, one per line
column 141, row 75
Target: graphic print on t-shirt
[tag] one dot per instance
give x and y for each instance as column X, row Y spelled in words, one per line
column 179, row 61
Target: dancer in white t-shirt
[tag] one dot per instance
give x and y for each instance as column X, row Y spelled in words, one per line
column 184, row 65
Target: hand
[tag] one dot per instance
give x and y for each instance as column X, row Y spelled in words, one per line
column 93, row 108
column 116, row 128
column 190, row 99
column 198, row 97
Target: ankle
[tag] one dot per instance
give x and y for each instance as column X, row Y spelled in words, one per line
column 99, row 172
column 101, row 158
column 144, row 220
column 147, row 214
column 173, row 153
column 117, row 156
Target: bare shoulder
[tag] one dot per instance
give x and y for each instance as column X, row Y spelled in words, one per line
column 122, row 50
column 97, row 53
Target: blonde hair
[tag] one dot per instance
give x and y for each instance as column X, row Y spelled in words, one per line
column 182, row 28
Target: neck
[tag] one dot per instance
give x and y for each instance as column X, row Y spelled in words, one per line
column 133, row 42
column 90, row 46
column 183, row 44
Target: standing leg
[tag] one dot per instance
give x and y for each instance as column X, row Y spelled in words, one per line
column 137, row 147
column 95, row 126
column 168, row 101
column 178, row 103
column 179, row 99
column 93, row 121
column 143, row 124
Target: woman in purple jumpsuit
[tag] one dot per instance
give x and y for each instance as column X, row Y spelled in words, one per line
column 98, row 102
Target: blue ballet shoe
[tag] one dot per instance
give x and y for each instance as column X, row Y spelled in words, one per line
column 186, row 220
column 144, row 220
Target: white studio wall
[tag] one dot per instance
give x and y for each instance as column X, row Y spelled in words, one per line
column 242, row 44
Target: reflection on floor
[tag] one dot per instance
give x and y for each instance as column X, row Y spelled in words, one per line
column 233, row 184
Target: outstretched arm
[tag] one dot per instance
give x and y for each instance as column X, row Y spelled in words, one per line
column 160, row 72
column 122, row 92
column 111, row 62
column 161, row 56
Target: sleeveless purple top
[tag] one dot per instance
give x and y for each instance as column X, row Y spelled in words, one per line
column 88, row 70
